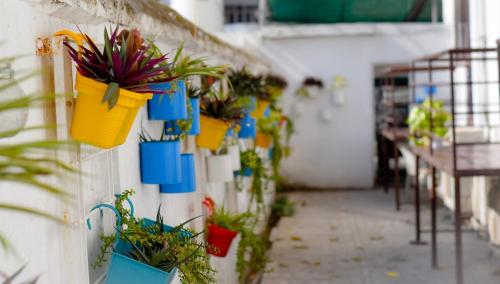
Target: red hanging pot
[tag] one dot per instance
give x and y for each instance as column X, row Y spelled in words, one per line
column 219, row 240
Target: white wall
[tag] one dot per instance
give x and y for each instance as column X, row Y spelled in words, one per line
column 338, row 154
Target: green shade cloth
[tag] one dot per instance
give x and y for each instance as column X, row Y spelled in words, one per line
column 338, row 11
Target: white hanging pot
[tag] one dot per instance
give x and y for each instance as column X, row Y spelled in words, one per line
column 314, row 91
column 338, row 97
column 220, row 168
column 298, row 109
column 325, row 115
column 234, row 152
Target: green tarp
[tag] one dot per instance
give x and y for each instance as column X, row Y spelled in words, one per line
column 338, row 11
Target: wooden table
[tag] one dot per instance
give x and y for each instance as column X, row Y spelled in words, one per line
column 396, row 136
column 470, row 160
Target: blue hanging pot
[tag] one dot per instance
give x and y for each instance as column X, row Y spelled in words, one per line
column 161, row 162
column 195, row 116
column 246, row 172
column 248, row 127
column 168, row 106
column 125, row 270
column 172, row 127
column 188, row 183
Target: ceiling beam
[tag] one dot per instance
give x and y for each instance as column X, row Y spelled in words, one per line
column 416, row 10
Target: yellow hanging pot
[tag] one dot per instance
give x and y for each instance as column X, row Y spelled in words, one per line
column 263, row 140
column 212, row 132
column 260, row 109
column 93, row 123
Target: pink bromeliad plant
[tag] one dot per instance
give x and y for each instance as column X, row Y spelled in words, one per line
column 124, row 62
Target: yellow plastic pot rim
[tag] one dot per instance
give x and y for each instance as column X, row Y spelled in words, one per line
column 215, row 120
column 82, row 81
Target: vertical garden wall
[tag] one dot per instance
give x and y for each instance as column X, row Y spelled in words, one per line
column 109, row 165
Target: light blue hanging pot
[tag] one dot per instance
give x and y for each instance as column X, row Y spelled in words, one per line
column 125, row 270
column 188, row 183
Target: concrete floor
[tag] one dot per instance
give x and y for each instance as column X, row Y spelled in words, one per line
column 356, row 237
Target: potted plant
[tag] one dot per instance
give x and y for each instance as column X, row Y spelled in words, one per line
column 253, row 165
column 188, row 182
column 275, row 85
column 419, row 121
column 191, row 126
column 160, row 159
column 249, row 161
column 266, row 128
column 311, row 87
column 245, row 84
column 148, row 251
column 181, row 68
column 112, row 84
column 218, row 113
column 222, row 228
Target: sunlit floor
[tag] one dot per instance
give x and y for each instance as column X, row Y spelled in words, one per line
column 356, row 237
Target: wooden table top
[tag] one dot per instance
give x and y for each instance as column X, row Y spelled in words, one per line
column 396, row 134
column 472, row 160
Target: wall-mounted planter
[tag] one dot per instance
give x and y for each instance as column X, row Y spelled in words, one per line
column 93, row 123
column 219, row 240
column 246, row 172
column 188, row 183
column 195, row 112
column 212, row 132
column 263, row 140
column 161, row 162
column 260, row 110
column 124, row 270
column 170, row 106
column 172, row 127
column 248, row 127
column 220, row 168
column 234, row 152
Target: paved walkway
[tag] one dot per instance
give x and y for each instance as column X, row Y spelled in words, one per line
column 356, row 237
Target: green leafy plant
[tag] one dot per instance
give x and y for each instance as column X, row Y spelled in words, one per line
column 224, row 107
column 251, row 160
column 275, row 81
column 123, row 63
column 185, row 66
column 251, row 253
column 283, row 207
column 160, row 248
column 419, row 121
column 245, row 84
